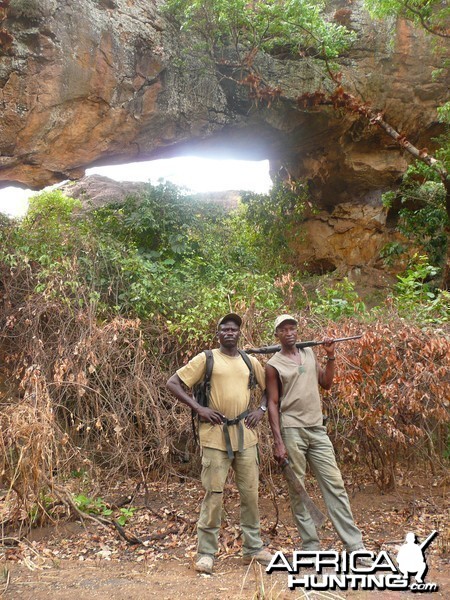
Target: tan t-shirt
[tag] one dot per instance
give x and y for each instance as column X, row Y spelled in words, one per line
column 300, row 404
column 230, row 395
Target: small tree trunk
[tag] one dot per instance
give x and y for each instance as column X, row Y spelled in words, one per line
column 430, row 161
column 446, row 269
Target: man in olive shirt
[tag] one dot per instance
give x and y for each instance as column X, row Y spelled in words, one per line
column 293, row 376
column 229, row 401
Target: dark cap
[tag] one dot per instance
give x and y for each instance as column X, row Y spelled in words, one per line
column 230, row 317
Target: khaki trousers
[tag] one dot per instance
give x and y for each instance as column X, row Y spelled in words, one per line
column 312, row 445
column 215, row 467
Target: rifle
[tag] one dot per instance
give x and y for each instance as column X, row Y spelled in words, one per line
column 273, row 349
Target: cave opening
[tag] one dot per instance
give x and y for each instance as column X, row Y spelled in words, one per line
column 194, row 173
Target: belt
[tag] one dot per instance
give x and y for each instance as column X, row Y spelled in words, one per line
column 230, row 422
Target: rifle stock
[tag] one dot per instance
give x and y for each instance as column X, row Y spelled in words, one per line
column 277, row 348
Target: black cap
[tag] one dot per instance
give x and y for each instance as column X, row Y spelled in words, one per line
column 230, row 317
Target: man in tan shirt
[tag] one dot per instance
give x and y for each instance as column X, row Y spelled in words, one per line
column 293, row 376
column 226, row 418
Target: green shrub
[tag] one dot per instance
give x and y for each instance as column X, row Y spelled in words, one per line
column 338, row 301
column 416, row 297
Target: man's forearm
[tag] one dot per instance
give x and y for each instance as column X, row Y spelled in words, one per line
column 174, row 386
column 274, row 420
column 263, row 399
column 327, row 374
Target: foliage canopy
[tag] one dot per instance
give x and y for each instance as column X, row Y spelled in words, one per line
column 293, row 26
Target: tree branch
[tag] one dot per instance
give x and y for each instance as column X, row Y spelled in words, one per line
column 66, row 498
column 425, row 24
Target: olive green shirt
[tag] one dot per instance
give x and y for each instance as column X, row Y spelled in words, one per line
column 300, row 404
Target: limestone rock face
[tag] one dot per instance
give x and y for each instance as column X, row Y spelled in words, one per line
column 350, row 237
column 87, row 82
column 109, row 81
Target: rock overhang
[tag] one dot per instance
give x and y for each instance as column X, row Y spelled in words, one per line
column 108, row 82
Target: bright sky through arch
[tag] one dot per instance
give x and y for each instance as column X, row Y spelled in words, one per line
column 196, row 174
column 14, row 201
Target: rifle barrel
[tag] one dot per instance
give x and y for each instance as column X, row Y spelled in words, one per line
column 277, row 348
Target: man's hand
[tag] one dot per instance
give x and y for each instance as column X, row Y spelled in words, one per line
column 209, row 415
column 328, row 345
column 253, row 418
column 279, row 452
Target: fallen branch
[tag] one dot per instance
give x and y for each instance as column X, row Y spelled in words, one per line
column 273, row 496
column 66, row 498
column 162, row 535
column 9, row 542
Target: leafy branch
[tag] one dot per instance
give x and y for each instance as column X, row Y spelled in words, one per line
column 427, row 13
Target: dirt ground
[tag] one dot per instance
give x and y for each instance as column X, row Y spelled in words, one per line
column 74, row 561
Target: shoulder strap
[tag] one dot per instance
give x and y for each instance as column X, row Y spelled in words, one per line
column 204, row 388
column 209, row 365
column 246, row 358
column 208, row 373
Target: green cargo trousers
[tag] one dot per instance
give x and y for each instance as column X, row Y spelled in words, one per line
column 215, row 467
column 312, row 445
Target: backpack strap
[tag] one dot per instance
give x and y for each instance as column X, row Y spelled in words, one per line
column 251, row 379
column 206, row 386
column 237, row 421
column 208, row 373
